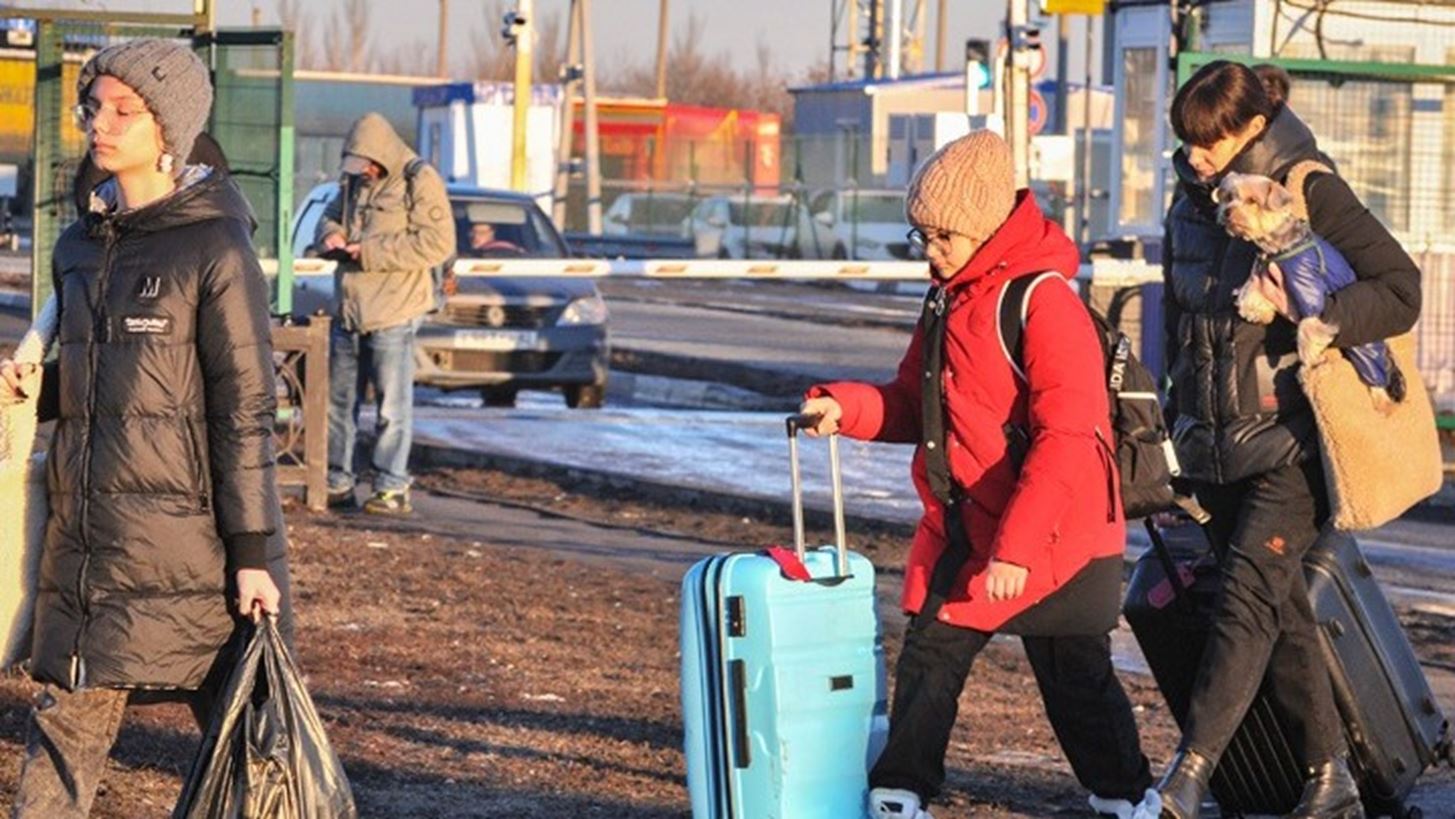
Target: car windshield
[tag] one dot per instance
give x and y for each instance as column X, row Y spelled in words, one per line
column 866, row 207
column 654, row 211
column 493, row 229
column 759, row 214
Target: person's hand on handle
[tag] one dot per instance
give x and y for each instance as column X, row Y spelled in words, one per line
column 1005, row 581
column 824, row 413
column 334, row 241
column 256, row 590
column 18, row 381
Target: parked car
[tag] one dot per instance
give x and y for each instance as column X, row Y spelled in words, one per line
column 652, row 214
column 494, row 334
column 858, row 224
column 754, row 227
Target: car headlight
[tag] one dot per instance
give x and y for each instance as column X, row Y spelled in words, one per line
column 588, row 310
column 867, row 244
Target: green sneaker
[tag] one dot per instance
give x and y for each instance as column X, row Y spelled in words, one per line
column 389, row 502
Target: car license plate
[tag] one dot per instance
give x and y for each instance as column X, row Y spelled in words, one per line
column 495, row 340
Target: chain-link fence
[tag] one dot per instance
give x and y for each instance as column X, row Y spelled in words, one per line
column 251, row 121
column 1389, row 126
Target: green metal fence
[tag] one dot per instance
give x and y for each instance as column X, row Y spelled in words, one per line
column 252, row 120
column 1390, row 128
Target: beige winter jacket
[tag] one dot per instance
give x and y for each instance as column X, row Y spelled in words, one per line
column 403, row 225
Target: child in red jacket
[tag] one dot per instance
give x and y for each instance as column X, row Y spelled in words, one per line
column 1022, row 530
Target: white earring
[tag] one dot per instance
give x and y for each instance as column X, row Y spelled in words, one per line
column 165, row 163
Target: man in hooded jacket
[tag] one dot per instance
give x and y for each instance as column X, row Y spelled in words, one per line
column 388, row 227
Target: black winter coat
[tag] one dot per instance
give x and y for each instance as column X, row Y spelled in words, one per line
column 1237, row 405
column 161, row 467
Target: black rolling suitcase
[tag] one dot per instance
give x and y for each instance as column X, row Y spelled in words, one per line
column 1394, row 727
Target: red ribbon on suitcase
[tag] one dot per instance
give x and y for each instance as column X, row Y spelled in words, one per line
column 788, row 561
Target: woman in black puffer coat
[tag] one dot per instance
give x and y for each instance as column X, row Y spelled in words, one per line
column 165, row 524
column 1245, row 432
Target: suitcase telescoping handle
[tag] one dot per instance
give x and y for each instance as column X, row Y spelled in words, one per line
column 795, row 423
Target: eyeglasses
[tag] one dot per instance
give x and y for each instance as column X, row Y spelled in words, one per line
column 123, row 117
column 920, row 241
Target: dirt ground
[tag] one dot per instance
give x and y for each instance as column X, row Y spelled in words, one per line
column 459, row 678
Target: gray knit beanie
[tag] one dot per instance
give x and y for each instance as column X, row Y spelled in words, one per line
column 967, row 187
column 169, row 77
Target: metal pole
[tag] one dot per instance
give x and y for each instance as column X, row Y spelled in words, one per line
column 442, row 64
column 1063, row 73
column 662, row 50
column 940, row 29
column 206, row 13
column 834, row 14
column 565, row 138
column 522, row 94
column 871, row 52
column 1083, row 233
column 1018, row 104
column 593, row 141
column 894, row 35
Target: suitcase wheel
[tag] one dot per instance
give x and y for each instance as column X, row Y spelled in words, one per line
column 1414, row 813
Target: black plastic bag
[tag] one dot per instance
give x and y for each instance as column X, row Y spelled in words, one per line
column 265, row 755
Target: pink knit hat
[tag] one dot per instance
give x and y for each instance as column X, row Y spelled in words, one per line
column 967, row 187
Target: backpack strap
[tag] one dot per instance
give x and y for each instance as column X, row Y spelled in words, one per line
column 1296, row 177
column 411, row 170
column 1010, row 317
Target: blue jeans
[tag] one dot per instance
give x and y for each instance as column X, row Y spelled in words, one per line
column 385, row 358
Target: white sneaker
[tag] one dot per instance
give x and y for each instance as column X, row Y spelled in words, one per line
column 1149, row 808
column 891, row 803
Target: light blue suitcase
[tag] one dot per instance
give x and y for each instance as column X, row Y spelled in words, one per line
column 783, row 687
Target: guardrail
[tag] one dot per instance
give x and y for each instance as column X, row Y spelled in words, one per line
column 656, row 269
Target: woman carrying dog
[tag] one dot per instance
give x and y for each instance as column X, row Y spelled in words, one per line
column 164, row 509
column 1246, row 435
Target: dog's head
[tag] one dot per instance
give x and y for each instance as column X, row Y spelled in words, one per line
column 1252, row 207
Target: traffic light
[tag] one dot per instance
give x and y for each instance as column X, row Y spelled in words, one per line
column 977, row 63
column 514, row 24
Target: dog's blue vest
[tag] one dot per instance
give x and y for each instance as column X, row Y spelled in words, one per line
column 1313, row 270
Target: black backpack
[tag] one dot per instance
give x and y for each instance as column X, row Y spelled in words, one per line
column 1144, row 452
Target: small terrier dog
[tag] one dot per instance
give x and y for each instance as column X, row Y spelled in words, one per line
column 1295, row 272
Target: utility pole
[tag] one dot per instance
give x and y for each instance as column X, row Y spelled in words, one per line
column 1083, row 231
column 662, row 51
column 1018, row 87
column 593, row 142
column 520, row 25
column 894, row 38
column 940, row 29
column 1063, row 74
column 442, row 65
column 872, row 43
column 565, row 139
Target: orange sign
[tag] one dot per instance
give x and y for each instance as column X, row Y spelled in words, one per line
column 1075, row 6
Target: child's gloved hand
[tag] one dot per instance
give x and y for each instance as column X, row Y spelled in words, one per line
column 1005, row 581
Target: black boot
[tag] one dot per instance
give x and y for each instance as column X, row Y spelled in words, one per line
column 1330, row 793
column 1184, row 785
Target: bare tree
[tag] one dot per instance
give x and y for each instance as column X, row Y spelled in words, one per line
column 292, row 17
column 550, row 48
column 490, row 57
column 697, row 77
column 346, row 40
column 417, row 59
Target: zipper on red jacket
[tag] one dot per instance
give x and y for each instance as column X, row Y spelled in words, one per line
column 101, row 329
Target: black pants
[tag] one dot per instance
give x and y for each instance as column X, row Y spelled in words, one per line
column 1085, row 702
column 1264, row 626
